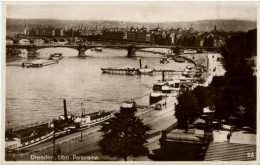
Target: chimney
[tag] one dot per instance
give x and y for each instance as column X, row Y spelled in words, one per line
column 140, row 61
column 65, row 110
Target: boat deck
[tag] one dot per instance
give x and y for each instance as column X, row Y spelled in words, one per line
column 136, row 71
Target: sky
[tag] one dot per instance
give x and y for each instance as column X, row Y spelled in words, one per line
column 133, row 11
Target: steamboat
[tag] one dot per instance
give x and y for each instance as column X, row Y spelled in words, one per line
column 25, row 137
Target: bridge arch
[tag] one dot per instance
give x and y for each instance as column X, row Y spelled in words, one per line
column 25, row 41
column 61, row 49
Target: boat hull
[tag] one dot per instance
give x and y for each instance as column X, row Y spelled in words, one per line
column 31, row 142
column 155, row 98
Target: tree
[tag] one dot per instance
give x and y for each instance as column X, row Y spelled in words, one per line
column 187, row 108
column 238, row 86
column 205, row 96
column 123, row 136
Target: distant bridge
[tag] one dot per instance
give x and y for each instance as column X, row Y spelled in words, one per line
column 32, row 48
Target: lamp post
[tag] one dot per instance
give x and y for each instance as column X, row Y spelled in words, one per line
column 54, row 155
column 166, row 102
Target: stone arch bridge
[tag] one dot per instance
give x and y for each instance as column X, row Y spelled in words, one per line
column 131, row 49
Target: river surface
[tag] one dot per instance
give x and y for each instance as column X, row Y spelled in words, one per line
column 36, row 94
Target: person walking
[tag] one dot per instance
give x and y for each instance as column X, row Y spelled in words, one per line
column 228, row 137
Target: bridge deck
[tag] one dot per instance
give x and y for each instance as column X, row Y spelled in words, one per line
column 108, row 46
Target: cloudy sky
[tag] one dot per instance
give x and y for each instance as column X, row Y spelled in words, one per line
column 133, row 11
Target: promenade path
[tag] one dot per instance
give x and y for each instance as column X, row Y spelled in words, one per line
column 216, row 65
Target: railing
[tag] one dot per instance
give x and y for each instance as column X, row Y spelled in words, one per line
column 126, row 45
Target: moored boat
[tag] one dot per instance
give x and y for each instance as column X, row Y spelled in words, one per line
column 172, row 86
column 130, row 71
column 145, row 71
column 38, row 63
column 27, row 137
column 128, row 107
column 155, row 97
column 157, row 86
column 56, row 56
column 164, row 60
column 85, row 121
column 127, row 71
column 190, row 51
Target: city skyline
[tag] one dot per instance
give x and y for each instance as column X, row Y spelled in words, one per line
column 143, row 11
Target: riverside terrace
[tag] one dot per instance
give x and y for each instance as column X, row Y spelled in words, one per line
column 32, row 48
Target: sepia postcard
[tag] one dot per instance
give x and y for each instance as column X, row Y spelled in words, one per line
column 117, row 82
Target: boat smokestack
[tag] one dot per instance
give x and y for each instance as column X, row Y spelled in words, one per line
column 163, row 75
column 140, row 61
column 65, row 110
column 82, row 110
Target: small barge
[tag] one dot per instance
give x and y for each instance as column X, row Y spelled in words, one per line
column 56, row 56
column 38, row 63
column 53, row 59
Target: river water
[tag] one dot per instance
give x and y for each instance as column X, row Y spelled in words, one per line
column 36, row 94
